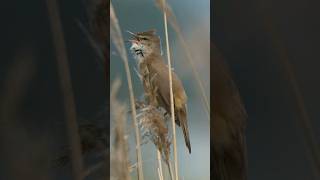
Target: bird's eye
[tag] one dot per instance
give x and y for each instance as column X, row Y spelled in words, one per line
column 144, row 38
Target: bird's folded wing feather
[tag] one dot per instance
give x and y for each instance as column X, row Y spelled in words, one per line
column 161, row 79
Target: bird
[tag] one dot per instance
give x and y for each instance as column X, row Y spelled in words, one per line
column 228, row 127
column 154, row 74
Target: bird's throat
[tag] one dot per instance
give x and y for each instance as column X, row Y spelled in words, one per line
column 139, row 52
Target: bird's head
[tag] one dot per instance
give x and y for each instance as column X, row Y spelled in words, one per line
column 145, row 43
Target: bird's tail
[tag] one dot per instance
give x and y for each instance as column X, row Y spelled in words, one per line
column 182, row 119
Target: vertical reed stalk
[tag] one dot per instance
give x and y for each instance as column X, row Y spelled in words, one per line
column 160, row 172
column 175, row 155
column 170, row 170
column 118, row 41
column 173, row 22
column 66, row 88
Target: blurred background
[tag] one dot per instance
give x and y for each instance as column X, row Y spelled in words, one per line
column 254, row 38
column 194, row 19
column 32, row 123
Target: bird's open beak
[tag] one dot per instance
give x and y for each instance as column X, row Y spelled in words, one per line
column 131, row 41
column 134, row 38
column 133, row 34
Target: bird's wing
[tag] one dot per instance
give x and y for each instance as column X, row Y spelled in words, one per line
column 161, row 81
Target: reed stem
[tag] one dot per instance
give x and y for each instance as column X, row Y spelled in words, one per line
column 173, row 22
column 175, row 155
column 160, row 172
column 118, row 41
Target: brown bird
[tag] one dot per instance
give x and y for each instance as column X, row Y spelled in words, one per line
column 228, row 127
column 154, row 74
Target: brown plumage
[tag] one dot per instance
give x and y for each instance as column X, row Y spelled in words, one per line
column 154, row 74
column 229, row 121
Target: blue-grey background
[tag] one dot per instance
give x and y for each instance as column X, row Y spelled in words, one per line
column 194, row 19
column 275, row 144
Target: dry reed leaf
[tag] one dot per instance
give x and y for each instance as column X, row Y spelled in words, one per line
column 117, row 39
column 152, row 122
column 119, row 153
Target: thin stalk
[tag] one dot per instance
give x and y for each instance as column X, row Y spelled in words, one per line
column 196, row 74
column 66, row 88
column 173, row 22
column 160, row 172
column 175, row 155
column 170, row 170
column 118, row 41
